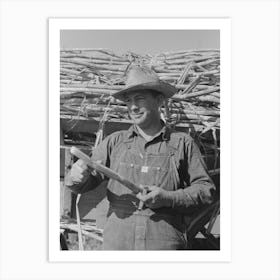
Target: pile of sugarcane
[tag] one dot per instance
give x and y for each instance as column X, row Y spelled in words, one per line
column 88, row 77
column 88, row 229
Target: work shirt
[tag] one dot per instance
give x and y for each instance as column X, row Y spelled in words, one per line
column 172, row 161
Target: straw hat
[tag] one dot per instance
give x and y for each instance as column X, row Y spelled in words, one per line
column 141, row 78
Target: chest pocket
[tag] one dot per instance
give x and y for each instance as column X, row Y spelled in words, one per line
column 155, row 169
column 163, row 168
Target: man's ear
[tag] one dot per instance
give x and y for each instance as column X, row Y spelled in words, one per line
column 160, row 100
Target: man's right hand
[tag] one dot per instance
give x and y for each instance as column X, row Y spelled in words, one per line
column 79, row 172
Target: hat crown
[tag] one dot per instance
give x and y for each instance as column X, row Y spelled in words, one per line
column 144, row 78
column 138, row 75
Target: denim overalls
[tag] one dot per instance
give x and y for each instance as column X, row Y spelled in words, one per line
column 148, row 229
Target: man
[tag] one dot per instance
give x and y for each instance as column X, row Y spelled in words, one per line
column 166, row 162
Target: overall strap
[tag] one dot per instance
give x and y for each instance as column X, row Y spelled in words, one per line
column 173, row 150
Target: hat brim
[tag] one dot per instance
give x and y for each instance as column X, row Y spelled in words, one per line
column 164, row 88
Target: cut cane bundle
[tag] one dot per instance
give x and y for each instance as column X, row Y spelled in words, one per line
column 88, row 77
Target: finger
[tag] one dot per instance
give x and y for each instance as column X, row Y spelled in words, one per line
column 91, row 169
column 81, row 164
column 151, row 188
column 152, row 193
column 150, row 203
column 83, row 168
column 139, row 196
column 75, row 176
column 75, row 179
column 148, row 197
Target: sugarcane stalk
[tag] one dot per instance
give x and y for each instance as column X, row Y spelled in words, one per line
column 82, row 232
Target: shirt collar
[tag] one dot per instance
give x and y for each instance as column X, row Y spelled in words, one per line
column 164, row 132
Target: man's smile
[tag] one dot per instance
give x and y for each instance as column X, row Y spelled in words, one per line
column 136, row 115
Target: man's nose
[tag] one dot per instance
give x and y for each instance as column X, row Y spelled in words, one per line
column 133, row 106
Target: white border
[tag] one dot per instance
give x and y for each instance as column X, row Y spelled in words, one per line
column 55, row 254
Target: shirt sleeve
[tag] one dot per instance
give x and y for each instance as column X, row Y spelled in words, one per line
column 100, row 154
column 199, row 188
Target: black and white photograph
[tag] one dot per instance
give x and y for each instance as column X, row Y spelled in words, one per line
column 140, row 139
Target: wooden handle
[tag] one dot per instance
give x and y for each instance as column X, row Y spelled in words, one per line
column 105, row 170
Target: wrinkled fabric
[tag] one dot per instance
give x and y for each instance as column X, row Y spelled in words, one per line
column 172, row 161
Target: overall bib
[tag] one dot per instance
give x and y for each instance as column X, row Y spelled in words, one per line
column 148, row 229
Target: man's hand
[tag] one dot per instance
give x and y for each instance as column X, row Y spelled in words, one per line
column 79, row 172
column 156, row 197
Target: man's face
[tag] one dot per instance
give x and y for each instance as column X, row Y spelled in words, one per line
column 143, row 108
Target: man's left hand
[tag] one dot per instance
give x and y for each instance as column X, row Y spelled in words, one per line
column 156, row 197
